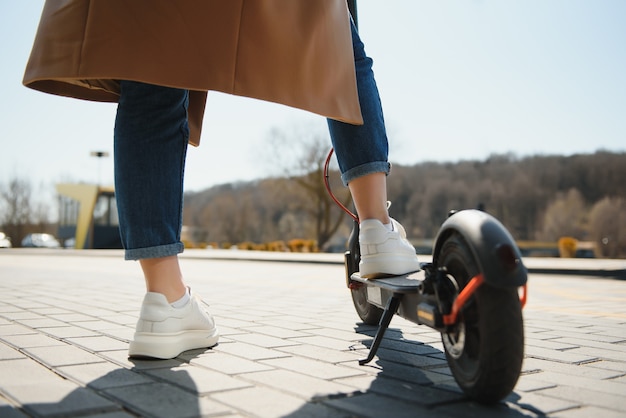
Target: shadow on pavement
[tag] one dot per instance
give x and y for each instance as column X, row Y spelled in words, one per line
column 150, row 389
column 407, row 379
column 406, row 386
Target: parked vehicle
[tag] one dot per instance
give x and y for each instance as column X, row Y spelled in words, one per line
column 5, row 242
column 40, row 241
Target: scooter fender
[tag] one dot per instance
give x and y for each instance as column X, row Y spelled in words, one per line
column 492, row 246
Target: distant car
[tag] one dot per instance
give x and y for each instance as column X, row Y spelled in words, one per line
column 40, row 241
column 5, row 242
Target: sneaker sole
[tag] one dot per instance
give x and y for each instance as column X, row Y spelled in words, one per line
column 167, row 346
column 384, row 265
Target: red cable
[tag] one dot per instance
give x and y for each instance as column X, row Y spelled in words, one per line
column 330, row 192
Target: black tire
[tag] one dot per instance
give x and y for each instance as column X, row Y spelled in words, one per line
column 369, row 314
column 488, row 363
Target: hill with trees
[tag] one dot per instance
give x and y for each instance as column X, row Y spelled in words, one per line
column 541, row 198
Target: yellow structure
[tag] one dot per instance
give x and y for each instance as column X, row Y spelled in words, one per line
column 86, row 195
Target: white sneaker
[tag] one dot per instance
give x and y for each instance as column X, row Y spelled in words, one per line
column 385, row 252
column 164, row 332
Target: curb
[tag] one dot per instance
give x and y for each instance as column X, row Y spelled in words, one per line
column 603, row 268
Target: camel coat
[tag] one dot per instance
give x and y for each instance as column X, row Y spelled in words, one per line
column 293, row 52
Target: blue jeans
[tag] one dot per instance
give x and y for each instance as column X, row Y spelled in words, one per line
column 362, row 149
column 150, row 144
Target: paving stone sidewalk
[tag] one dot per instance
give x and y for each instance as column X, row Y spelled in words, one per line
column 289, row 348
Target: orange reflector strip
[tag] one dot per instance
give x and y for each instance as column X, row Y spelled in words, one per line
column 465, row 294
column 524, row 296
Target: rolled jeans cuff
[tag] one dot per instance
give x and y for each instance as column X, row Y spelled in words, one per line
column 365, row 169
column 154, row 252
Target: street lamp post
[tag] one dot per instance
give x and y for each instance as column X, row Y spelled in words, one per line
column 99, row 155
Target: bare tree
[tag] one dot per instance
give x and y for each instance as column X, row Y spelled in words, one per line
column 302, row 154
column 16, row 207
column 16, row 198
column 565, row 216
column 222, row 216
column 22, row 210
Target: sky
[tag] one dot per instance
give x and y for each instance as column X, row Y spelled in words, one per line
column 458, row 79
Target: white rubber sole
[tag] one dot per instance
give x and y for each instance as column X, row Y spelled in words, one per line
column 384, row 265
column 167, row 346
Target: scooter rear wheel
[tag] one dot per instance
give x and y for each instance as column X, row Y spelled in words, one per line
column 485, row 348
column 369, row 314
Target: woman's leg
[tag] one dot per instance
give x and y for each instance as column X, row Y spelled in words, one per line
column 362, row 152
column 151, row 135
column 362, row 149
column 369, row 194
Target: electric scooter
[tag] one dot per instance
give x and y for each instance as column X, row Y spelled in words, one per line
column 472, row 292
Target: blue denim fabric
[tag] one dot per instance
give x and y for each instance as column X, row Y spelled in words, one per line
column 150, row 144
column 151, row 137
column 362, row 149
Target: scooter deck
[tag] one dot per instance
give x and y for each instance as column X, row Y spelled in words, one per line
column 396, row 284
